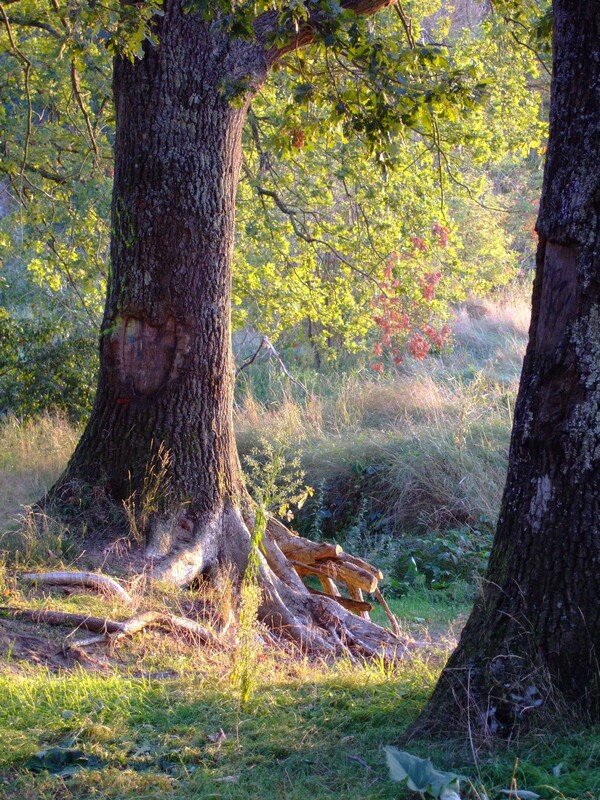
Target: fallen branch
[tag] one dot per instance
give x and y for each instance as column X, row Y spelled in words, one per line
column 102, row 625
column 360, row 562
column 388, row 612
column 329, row 563
column 88, row 580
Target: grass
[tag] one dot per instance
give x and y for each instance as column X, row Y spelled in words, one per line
column 303, row 735
column 424, row 447
column 32, row 454
column 308, row 732
column 421, row 448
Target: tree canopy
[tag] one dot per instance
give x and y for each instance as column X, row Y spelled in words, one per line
column 378, row 185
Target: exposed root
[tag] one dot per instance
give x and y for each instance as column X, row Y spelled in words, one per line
column 181, row 547
column 88, row 580
column 330, row 623
column 170, row 623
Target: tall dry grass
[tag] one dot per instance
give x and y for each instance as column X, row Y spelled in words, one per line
column 424, row 447
column 32, row 455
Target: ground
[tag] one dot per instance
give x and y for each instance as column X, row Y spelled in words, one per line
column 163, row 720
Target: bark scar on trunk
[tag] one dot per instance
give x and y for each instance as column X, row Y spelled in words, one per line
column 559, row 295
column 147, row 355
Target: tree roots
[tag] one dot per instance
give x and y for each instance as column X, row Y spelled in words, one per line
column 330, row 621
column 89, row 580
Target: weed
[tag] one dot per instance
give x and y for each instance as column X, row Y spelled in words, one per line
column 37, row 539
column 153, row 495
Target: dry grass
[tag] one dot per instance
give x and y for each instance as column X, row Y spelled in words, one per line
column 421, row 448
column 32, row 455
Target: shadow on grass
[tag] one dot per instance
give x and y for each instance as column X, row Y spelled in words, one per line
column 309, row 738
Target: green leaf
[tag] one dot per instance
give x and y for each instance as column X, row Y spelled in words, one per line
column 420, row 774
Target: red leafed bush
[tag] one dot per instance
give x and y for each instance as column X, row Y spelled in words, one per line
column 403, row 318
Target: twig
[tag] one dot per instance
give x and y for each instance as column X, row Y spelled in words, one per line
column 252, row 358
column 150, row 619
column 79, row 97
column 406, row 24
column 270, row 347
column 27, row 70
column 27, row 22
column 266, row 344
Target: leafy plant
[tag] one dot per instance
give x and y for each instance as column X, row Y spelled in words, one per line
column 420, row 775
column 441, row 558
column 275, row 485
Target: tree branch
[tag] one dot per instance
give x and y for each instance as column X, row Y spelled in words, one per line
column 302, row 232
column 299, row 35
column 266, row 344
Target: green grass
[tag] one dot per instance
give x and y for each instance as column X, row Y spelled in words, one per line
column 431, row 609
column 307, row 735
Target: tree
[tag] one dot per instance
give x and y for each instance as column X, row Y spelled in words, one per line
column 165, row 386
column 534, row 631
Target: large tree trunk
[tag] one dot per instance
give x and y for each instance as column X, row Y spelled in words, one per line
column 535, row 630
column 163, row 409
column 161, row 426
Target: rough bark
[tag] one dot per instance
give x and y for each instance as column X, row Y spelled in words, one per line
column 161, row 426
column 534, row 632
column 161, row 431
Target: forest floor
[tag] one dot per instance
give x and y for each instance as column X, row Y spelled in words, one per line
column 418, row 457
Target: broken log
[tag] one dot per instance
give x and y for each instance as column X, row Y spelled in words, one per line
column 339, row 571
column 357, row 595
column 357, row 607
column 299, row 549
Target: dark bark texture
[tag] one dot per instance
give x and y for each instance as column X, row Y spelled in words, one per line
column 161, row 427
column 166, row 354
column 534, row 633
column 166, row 377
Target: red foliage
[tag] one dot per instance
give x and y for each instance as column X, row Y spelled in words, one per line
column 441, row 232
column 418, row 243
column 429, row 283
column 395, row 320
column 297, row 138
column 418, row 346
